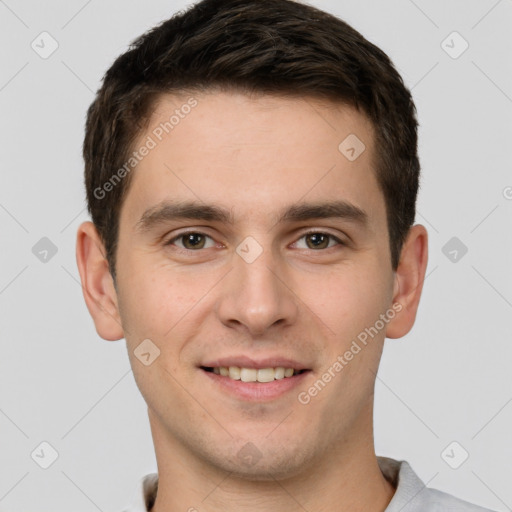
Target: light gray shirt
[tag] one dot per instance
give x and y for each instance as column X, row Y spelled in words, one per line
column 411, row 494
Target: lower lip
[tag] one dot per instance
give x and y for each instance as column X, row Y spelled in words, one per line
column 257, row 391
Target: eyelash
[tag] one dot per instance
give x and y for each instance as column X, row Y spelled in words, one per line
column 313, row 232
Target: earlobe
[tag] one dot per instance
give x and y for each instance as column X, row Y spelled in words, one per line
column 97, row 284
column 408, row 284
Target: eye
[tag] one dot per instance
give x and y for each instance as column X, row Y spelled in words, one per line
column 191, row 240
column 319, row 240
column 194, row 240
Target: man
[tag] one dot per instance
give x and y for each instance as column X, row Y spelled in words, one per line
column 251, row 171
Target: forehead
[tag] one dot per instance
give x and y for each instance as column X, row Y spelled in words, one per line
column 254, row 155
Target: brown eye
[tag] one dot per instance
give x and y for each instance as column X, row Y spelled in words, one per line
column 191, row 241
column 317, row 240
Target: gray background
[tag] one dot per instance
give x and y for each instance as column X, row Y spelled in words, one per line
column 448, row 380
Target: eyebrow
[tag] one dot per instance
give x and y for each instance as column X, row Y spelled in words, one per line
column 167, row 211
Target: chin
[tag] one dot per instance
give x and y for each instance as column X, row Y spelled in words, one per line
column 262, row 461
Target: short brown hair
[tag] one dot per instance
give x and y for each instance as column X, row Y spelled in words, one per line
column 256, row 46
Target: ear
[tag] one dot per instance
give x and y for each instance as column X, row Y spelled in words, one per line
column 408, row 284
column 97, row 283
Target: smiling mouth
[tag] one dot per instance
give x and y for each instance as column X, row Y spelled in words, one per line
column 253, row 374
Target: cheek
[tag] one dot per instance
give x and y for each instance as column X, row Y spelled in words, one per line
column 149, row 302
column 347, row 300
column 162, row 304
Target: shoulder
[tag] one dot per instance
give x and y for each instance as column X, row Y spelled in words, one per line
column 144, row 497
column 412, row 495
column 439, row 501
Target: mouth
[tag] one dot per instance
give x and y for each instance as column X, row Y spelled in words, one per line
column 248, row 378
column 256, row 382
column 261, row 375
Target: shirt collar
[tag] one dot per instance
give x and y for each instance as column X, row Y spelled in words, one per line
column 406, row 482
column 398, row 472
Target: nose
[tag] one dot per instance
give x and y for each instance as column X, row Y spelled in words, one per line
column 257, row 295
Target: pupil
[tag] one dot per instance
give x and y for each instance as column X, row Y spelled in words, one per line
column 193, row 239
column 317, row 239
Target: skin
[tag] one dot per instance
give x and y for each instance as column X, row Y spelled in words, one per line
column 255, row 156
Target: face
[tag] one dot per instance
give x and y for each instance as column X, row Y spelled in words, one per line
column 249, row 240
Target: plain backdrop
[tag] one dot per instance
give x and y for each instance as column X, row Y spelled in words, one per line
column 448, row 381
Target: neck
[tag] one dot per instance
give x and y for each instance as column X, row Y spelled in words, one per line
column 345, row 478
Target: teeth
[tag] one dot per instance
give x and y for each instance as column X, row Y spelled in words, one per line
column 266, row 375
column 234, row 372
column 279, row 372
column 248, row 374
column 254, row 374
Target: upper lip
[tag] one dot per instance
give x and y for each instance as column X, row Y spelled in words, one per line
column 243, row 361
